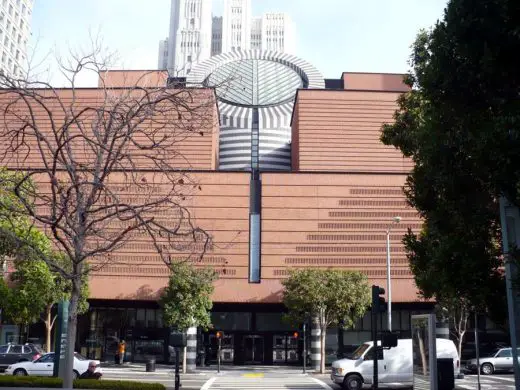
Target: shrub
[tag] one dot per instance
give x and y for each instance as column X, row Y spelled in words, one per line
column 38, row 381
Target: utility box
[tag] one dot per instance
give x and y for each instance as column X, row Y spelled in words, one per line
column 445, row 374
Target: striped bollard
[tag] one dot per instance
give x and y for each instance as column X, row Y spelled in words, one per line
column 315, row 345
column 191, row 350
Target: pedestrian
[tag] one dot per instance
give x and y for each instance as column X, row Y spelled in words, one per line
column 91, row 372
column 121, row 351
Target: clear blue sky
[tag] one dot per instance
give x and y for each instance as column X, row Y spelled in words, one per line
column 334, row 35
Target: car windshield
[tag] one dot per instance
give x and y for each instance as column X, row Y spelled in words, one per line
column 79, row 357
column 358, row 353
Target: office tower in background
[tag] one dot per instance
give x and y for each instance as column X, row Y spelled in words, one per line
column 196, row 35
column 236, row 31
column 256, row 33
column 163, row 54
column 278, row 33
column 189, row 41
column 216, row 36
column 15, row 30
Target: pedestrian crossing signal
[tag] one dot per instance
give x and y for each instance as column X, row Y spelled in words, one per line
column 219, row 335
column 295, row 335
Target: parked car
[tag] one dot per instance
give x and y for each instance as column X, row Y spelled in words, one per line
column 14, row 353
column 499, row 360
column 44, row 366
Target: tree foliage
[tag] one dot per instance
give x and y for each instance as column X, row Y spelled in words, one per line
column 460, row 124
column 186, row 301
column 34, row 287
column 329, row 297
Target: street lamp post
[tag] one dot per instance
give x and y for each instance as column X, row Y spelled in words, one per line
column 388, row 280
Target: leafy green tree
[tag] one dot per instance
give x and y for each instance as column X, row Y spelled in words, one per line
column 37, row 290
column 460, row 124
column 186, row 301
column 331, row 297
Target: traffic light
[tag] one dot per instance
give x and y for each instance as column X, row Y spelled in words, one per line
column 378, row 302
column 220, row 334
column 295, row 335
column 178, row 339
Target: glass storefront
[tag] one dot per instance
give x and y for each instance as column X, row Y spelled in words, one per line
column 101, row 331
column 252, row 335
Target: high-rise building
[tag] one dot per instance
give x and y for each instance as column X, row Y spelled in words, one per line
column 163, row 54
column 196, row 36
column 15, row 30
column 216, row 36
column 278, row 33
column 236, row 32
column 190, row 35
column 256, row 33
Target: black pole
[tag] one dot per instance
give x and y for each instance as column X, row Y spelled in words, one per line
column 477, row 352
column 304, row 349
column 177, row 374
column 374, row 337
column 218, row 354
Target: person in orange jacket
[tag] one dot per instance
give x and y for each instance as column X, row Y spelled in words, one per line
column 121, row 351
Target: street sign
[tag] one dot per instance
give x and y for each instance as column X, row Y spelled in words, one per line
column 60, row 347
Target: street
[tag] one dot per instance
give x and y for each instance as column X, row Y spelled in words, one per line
column 272, row 378
column 268, row 378
column 491, row 382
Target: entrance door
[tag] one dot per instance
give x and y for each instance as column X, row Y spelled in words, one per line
column 253, row 349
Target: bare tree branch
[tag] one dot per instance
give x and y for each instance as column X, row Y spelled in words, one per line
column 97, row 168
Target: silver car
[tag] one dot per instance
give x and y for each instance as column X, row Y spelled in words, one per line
column 500, row 360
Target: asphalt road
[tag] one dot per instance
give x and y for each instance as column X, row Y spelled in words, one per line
column 488, row 382
column 166, row 377
column 271, row 378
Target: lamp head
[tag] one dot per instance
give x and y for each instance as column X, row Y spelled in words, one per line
column 397, row 219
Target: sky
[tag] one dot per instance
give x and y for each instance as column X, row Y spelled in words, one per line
column 334, row 35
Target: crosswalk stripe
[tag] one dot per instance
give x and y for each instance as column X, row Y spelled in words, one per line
column 263, row 383
column 322, row 384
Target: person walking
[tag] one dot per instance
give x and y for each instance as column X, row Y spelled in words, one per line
column 121, row 351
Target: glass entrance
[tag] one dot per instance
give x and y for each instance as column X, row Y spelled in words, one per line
column 253, row 349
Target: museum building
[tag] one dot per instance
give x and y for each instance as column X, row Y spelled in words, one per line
column 292, row 174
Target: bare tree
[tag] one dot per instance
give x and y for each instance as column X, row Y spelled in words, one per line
column 456, row 312
column 105, row 167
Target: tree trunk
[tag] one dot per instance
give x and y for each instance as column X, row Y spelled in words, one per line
column 71, row 332
column 422, row 351
column 459, row 343
column 322, row 349
column 48, row 328
column 185, row 352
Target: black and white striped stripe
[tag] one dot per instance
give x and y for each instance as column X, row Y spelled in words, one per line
column 315, row 345
column 191, row 350
column 236, row 104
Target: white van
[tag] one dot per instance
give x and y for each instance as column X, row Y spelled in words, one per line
column 394, row 370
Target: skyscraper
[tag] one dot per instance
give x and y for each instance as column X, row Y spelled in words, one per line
column 278, row 33
column 163, row 54
column 15, row 30
column 189, row 41
column 256, row 33
column 216, row 36
column 196, row 35
column 236, row 31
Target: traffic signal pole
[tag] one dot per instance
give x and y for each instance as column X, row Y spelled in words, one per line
column 378, row 306
column 375, row 380
column 304, row 349
column 219, row 350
